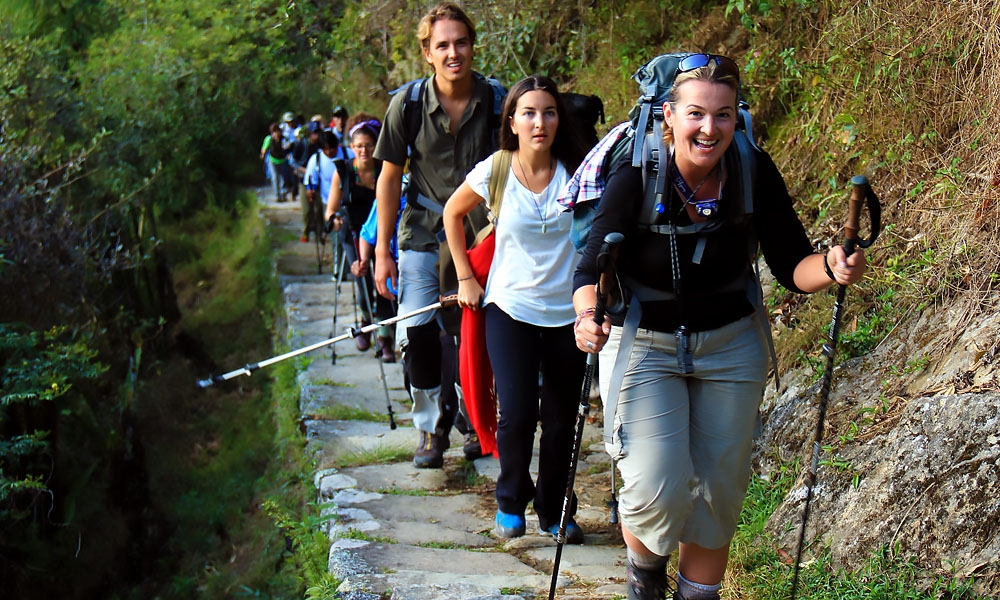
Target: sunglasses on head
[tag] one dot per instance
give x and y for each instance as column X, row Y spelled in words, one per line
column 697, row 61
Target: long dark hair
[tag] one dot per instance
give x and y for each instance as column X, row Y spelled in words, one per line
column 567, row 145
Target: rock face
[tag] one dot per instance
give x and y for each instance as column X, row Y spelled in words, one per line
column 927, row 489
column 908, row 467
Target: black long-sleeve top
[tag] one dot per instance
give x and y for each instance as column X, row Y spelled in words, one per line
column 708, row 298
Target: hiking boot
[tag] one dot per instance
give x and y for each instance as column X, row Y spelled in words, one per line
column 388, row 355
column 574, row 534
column 471, row 446
column 429, row 454
column 509, row 525
column 677, row 596
column 363, row 340
column 645, row 585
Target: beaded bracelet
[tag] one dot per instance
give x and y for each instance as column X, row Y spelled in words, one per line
column 587, row 312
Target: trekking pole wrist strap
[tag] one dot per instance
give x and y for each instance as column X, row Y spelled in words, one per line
column 826, row 267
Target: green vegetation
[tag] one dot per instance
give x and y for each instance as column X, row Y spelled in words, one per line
column 225, row 462
column 333, row 383
column 339, row 412
column 759, row 570
column 398, row 491
column 376, row 455
column 441, row 545
column 356, row 534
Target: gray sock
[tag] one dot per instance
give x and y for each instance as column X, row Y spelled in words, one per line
column 647, row 562
column 690, row 590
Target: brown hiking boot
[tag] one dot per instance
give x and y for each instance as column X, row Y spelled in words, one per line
column 363, row 340
column 471, row 446
column 388, row 354
column 429, row 454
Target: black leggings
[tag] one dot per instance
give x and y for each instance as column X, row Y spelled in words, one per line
column 519, row 353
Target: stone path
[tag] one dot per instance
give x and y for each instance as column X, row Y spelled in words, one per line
column 403, row 533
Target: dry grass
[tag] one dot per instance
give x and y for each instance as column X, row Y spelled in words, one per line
column 893, row 91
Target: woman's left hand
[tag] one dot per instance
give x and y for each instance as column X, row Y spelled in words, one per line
column 846, row 269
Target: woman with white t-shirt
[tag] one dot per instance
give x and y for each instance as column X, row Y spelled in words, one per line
column 528, row 304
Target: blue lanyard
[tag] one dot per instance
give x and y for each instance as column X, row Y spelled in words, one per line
column 707, row 207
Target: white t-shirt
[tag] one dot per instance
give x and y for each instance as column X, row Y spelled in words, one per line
column 319, row 174
column 531, row 278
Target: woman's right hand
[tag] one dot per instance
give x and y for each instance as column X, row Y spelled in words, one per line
column 470, row 294
column 591, row 337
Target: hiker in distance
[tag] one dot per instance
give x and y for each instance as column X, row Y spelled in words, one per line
column 528, row 310
column 693, row 380
column 357, row 197
column 455, row 133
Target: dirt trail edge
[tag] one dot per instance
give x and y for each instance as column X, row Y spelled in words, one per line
column 399, row 532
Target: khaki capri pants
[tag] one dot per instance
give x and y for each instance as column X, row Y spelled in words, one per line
column 683, row 442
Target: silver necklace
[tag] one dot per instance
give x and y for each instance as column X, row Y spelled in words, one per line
column 537, row 198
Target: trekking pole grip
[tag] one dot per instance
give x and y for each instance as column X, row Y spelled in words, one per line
column 861, row 195
column 858, row 185
column 606, row 259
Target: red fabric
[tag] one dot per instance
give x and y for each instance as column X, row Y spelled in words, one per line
column 474, row 370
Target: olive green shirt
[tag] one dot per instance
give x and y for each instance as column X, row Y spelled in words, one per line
column 440, row 159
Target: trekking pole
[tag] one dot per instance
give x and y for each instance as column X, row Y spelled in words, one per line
column 336, row 302
column 317, row 220
column 378, row 357
column 860, row 194
column 351, row 332
column 605, row 259
column 613, row 502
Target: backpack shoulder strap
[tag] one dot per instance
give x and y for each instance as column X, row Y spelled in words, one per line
column 343, row 169
column 499, row 93
column 498, row 181
column 746, row 147
column 413, row 104
column 499, row 171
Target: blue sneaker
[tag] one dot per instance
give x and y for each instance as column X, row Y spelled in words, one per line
column 508, row 525
column 574, row 535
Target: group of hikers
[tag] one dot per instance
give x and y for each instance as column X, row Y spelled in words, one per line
column 331, row 169
column 683, row 354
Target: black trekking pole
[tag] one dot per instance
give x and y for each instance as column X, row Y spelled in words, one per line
column 605, row 259
column 249, row 368
column 318, row 225
column 378, row 357
column 860, row 194
column 336, row 299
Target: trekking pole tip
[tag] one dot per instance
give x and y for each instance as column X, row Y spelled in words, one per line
column 210, row 381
